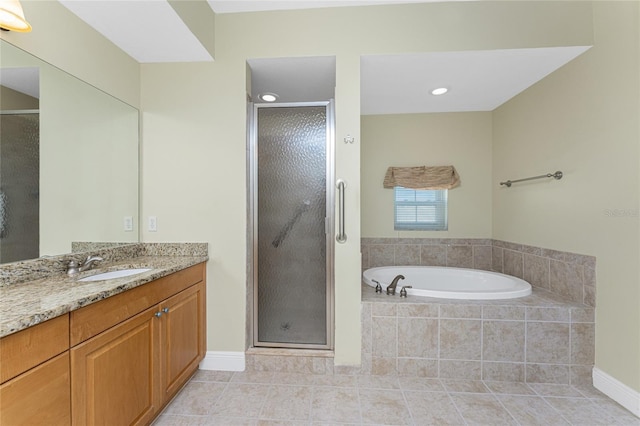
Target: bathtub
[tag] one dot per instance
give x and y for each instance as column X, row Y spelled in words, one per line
column 449, row 283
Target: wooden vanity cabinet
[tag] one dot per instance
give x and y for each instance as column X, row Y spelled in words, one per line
column 126, row 373
column 35, row 387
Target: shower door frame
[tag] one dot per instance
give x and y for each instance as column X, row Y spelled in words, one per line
column 329, row 219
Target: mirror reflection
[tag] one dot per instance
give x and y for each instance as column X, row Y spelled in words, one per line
column 68, row 161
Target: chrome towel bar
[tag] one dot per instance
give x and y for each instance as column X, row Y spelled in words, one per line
column 557, row 176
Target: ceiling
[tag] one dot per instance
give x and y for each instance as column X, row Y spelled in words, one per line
column 151, row 31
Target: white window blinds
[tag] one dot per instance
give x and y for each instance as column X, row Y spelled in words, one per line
column 417, row 209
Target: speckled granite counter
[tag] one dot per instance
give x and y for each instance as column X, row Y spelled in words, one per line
column 28, row 302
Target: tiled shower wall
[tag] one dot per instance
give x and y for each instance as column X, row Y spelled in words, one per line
column 569, row 275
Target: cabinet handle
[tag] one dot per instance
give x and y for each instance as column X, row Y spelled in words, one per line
column 158, row 314
column 165, row 310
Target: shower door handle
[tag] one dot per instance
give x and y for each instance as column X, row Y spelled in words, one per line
column 342, row 236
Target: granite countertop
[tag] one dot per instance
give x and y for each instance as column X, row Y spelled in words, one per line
column 28, row 303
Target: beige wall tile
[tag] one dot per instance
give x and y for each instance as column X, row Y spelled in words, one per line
column 503, row 312
column 482, row 258
column 536, row 271
column 460, row 339
column 503, row 341
column 583, row 343
column 407, row 254
column 513, row 263
column 460, row 256
column 381, row 255
column 418, row 337
column 385, row 338
column 455, row 369
column 497, row 255
column 546, row 373
column 381, row 366
column 503, row 371
column 423, row 310
column 433, row 255
column 567, row 280
column 548, row 342
column 450, row 310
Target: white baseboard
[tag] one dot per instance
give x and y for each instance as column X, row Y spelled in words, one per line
column 616, row 390
column 223, row 361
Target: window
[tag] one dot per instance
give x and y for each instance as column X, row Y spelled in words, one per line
column 418, row 209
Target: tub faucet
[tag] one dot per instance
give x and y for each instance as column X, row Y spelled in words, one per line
column 74, row 267
column 391, row 289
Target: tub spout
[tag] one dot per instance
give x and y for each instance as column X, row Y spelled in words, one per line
column 391, row 289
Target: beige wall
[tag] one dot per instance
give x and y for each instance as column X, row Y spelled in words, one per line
column 60, row 38
column 583, row 120
column 459, row 139
column 13, row 100
column 194, row 127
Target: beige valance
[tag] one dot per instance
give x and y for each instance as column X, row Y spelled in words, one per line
column 423, row 177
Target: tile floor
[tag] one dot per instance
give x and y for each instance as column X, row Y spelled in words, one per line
column 265, row 398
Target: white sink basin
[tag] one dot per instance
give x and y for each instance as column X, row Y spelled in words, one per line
column 115, row 274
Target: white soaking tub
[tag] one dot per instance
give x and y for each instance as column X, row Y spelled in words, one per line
column 449, row 283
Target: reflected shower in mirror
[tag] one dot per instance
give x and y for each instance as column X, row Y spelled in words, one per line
column 77, row 162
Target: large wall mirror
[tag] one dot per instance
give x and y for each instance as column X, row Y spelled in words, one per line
column 68, row 161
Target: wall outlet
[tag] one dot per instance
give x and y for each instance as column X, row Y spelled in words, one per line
column 128, row 223
column 152, row 224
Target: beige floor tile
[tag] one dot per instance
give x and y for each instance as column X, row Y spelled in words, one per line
column 378, row 382
column 432, row 408
column 341, row 381
column 420, row 384
column 621, row 415
column 212, row 376
column 252, row 377
column 549, row 389
column 241, row 400
column 481, row 409
column 384, row 407
column 287, row 403
column 293, row 379
column 340, row 405
column 580, row 411
column 230, row 421
column 196, row 398
column 180, row 420
column 509, row 388
column 531, row 410
column 465, row 386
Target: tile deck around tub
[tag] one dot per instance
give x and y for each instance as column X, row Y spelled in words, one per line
column 273, row 398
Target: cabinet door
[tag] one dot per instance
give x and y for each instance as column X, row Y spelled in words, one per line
column 41, row 396
column 183, row 335
column 114, row 374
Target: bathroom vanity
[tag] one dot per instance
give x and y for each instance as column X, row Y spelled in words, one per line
column 114, row 354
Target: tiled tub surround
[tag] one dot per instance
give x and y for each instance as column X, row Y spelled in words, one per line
column 570, row 276
column 28, row 299
column 533, row 339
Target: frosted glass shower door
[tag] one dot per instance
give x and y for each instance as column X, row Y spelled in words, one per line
column 19, row 186
column 291, row 292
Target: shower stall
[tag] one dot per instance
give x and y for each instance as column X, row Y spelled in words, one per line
column 19, row 185
column 291, row 174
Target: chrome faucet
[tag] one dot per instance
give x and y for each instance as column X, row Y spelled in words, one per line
column 391, row 289
column 74, row 267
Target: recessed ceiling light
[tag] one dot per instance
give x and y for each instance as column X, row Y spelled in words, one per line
column 268, row 97
column 439, row 91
